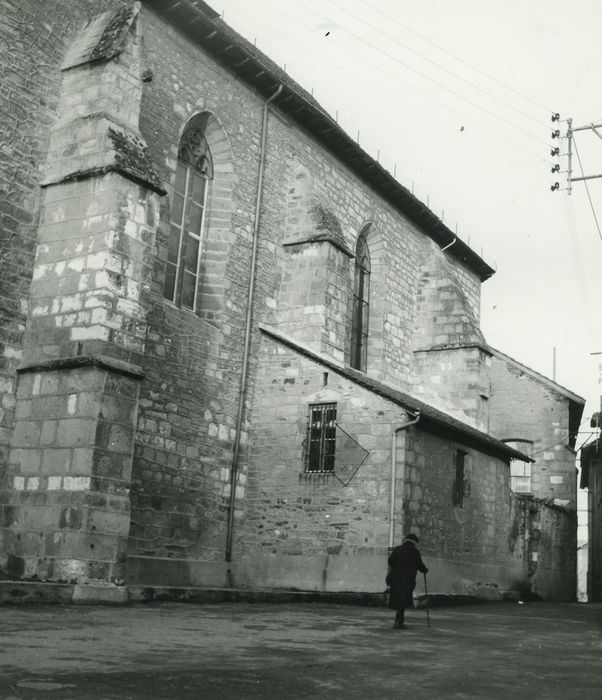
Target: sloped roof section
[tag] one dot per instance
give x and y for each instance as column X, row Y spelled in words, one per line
column 204, row 26
column 454, row 324
column 431, row 418
column 576, row 403
column 102, row 38
column 550, row 383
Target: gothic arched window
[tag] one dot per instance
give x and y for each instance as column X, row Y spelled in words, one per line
column 187, row 223
column 361, row 305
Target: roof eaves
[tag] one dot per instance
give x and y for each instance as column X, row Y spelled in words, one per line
column 190, row 15
column 429, row 414
column 539, row 377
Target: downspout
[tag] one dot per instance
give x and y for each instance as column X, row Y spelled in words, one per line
column 247, row 342
column 394, row 475
column 449, row 245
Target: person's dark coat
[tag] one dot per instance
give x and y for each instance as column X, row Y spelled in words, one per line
column 404, row 562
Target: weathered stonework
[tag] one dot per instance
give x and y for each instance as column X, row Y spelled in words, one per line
column 311, row 531
column 67, row 517
column 68, row 477
column 125, row 406
column 525, row 404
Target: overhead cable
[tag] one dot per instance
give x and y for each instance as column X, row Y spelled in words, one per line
column 587, row 190
column 425, row 76
column 438, row 65
column 430, row 97
column 460, row 60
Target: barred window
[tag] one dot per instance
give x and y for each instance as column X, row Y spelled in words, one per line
column 321, row 438
column 188, row 214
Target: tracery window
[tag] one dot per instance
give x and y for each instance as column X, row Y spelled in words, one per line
column 361, row 305
column 187, row 224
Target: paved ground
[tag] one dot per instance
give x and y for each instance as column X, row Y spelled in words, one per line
column 286, row 651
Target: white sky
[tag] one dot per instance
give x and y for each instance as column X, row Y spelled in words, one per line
column 408, row 76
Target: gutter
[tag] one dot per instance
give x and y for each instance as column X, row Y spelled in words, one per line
column 203, row 25
column 434, row 420
column 247, row 342
column 392, row 521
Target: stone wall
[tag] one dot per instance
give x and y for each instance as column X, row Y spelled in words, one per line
column 320, row 531
column 180, row 483
column 546, row 536
column 452, row 363
column 193, row 361
column 77, row 391
column 66, row 516
column 148, row 393
column 34, row 38
column 525, row 407
column 315, row 297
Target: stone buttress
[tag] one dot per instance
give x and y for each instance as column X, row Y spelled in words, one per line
column 66, row 506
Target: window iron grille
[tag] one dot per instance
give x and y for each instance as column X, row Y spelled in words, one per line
column 328, row 448
column 321, row 438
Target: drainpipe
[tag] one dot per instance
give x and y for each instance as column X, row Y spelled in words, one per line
column 394, row 475
column 247, row 343
column 449, row 245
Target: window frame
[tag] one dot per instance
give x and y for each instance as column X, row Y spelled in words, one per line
column 194, row 165
column 516, row 465
column 458, row 486
column 360, row 313
column 320, row 451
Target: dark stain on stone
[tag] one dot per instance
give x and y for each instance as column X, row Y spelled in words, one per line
column 112, row 39
column 15, row 566
column 132, row 158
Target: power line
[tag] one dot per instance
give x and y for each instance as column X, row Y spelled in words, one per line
column 587, row 189
column 428, row 96
column 278, row 8
column 436, row 64
column 425, row 76
column 579, row 263
column 457, row 58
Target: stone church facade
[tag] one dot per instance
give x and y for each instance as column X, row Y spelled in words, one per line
column 237, row 353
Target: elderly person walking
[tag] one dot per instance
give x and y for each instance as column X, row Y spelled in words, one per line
column 404, row 562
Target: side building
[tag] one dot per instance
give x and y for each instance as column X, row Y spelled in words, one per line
column 541, row 419
column 249, row 357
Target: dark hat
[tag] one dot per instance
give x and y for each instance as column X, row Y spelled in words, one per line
column 412, row 537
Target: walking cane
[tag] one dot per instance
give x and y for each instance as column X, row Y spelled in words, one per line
column 426, row 596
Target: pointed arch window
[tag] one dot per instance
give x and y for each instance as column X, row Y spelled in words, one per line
column 361, row 305
column 187, row 225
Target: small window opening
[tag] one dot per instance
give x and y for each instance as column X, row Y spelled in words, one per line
column 520, row 471
column 458, row 490
column 361, row 306
column 321, row 438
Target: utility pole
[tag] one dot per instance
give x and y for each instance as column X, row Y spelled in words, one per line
column 570, row 138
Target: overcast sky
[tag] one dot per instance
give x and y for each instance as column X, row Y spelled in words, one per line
column 457, row 96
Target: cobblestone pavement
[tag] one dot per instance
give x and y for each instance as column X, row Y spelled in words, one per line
column 277, row 651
